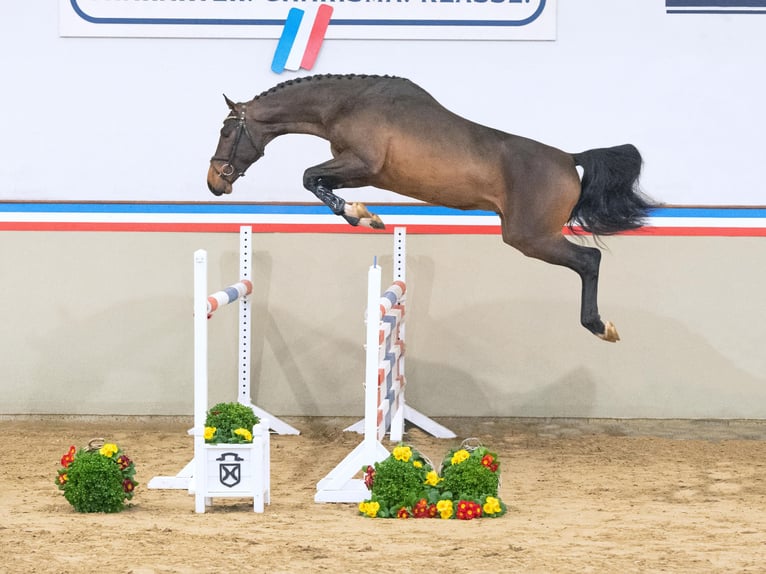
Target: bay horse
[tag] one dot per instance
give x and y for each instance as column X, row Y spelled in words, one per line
column 389, row 133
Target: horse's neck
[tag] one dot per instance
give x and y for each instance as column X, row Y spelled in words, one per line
column 297, row 110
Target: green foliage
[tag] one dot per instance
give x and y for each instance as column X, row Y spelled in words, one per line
column 399, row 482
column 396, row 484
column 404, row 485
column 97, row 479
column 228, row 417
column 94, row 483
column 470, row 479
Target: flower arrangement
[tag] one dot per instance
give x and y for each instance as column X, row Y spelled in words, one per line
column 230, row 423
column 399, row 484
column 97, row 478
column 469, row 474
column 405, row 485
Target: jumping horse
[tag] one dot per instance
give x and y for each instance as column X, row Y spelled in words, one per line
column 389, row 133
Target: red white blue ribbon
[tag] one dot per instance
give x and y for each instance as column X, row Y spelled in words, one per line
column 301, row 39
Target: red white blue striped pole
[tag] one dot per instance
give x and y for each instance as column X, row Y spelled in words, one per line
column 228, row 295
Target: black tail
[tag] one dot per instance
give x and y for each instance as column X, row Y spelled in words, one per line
column 610, row 201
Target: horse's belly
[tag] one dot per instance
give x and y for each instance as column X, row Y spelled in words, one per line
column 460, row 184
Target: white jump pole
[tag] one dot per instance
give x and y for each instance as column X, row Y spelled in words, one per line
column 371, row 450
column 245, row 327
column 200, row 373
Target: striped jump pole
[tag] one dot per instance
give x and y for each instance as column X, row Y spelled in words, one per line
column 384, row 367
column 228, row 295
column 385, row 409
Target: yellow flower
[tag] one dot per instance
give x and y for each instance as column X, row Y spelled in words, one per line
column 109, row 449
column 403, row 453
column 417, row 464
column 245, row 434
column 492, row 505
column 369, row 508
column 432, row 478
column 445, row 508
column 210, row 433
column 460, row 456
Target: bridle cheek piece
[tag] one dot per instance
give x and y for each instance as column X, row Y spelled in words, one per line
column 228, row 169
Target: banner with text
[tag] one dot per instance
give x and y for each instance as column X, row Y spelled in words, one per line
column 351, row 19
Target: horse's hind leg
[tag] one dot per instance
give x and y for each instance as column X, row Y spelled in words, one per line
column 343, row 171
column 556, row 249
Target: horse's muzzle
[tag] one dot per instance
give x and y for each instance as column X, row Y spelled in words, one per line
column 215, row 183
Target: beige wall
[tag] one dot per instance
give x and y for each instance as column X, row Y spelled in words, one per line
column 100, row 323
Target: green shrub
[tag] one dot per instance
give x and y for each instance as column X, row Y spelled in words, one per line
column 399, row 481
column 470, row 476
column 97, row 480
column 226, row 422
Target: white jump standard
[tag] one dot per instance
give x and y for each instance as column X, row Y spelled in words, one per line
column 385, row 409
column 204, row 306
column 222, row 470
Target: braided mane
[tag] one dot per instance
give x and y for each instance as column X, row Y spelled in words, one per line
column 319, row 78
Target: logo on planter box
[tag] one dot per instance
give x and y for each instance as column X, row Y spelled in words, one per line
column 230, row 469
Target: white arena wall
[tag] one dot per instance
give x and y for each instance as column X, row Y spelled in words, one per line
column 100, row 323
column 96, row 313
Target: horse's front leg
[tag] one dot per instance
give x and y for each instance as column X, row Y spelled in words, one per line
column 323, row 179
column 355, row 213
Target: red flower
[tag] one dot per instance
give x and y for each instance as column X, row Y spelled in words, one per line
column 421, row 509
column 403, row 513
column 487, row 460
column 493, row 468
column 369, row 477
column 468, row 510
column 127, row 485
column 68, row 458
column 432, row 510
column 123, row 462
column 62, row 478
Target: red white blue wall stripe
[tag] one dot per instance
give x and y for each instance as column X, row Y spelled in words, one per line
column 315, row 218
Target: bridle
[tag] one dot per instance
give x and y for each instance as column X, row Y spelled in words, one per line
column 228, row 169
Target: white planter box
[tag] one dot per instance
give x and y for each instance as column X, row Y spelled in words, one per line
column 235, row 470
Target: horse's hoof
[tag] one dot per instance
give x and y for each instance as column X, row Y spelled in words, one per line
column 356, row 209
column 359, row 213
column 376, row 222
column 610, row 333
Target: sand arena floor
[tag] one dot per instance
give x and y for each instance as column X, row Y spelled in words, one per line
column 583, row 496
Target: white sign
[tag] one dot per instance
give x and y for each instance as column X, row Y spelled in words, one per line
column 352, row 19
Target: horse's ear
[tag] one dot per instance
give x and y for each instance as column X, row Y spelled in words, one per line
column 232, row 105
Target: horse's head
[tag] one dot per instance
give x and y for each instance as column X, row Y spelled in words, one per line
column 238, row 148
